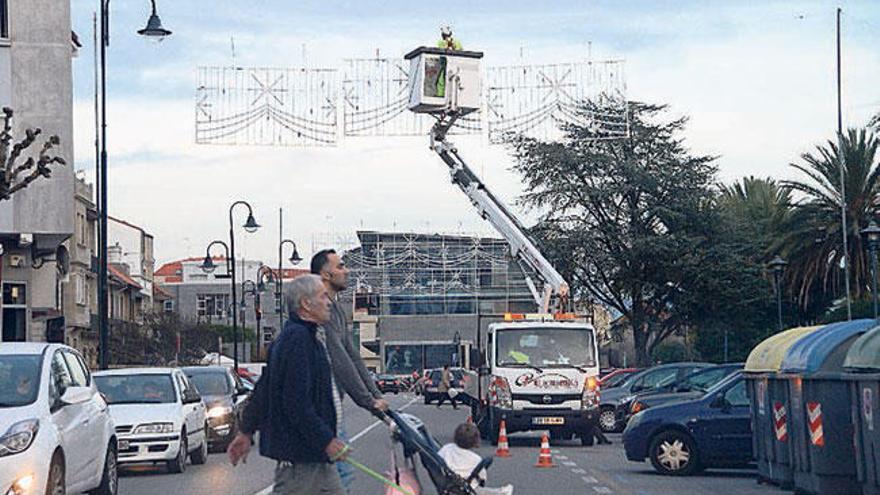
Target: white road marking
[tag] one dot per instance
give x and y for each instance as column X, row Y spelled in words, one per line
column 562, row 457
column 602, row 489
column 268, row 489
column 569, row 463
column 578, row 471
column 589, row 480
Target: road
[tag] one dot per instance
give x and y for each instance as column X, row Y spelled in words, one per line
column 579, row 470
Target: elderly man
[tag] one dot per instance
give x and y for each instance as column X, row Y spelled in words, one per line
column 301, row 412
column 349, row 370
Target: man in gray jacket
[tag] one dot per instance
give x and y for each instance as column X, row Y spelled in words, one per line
column 349, row 371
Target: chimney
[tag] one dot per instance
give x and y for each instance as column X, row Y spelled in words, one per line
column 114, row 254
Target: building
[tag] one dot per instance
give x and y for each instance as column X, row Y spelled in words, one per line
column 199, row 297
column 136, row 251
column 80, row 291
column 414, row 295
column 36, row 51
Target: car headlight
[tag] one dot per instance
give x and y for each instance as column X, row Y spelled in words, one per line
column 19, row 437
column 151, row 428
column 219, row 411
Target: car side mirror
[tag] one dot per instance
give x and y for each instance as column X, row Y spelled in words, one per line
column 477, row 358
column 76, row 395
column 720, row 402
column 191, row 398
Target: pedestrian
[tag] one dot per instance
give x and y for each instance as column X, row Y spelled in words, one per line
column 349, row 370
column 301, row 406
column 444, row 388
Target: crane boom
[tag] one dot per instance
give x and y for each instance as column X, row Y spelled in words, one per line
column 554, row 288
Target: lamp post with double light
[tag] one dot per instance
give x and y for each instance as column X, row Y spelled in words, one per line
column 153, row 30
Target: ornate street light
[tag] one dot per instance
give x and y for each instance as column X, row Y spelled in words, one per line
column 778, row 265
column 294, row 260
column 871, row 233
column 154, row 27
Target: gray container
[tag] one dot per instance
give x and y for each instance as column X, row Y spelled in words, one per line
column 863, row 364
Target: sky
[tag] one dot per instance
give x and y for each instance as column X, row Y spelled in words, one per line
column 756, row 78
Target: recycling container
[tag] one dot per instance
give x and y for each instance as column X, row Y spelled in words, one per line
column 768, row 393
column 821, row 425
column 863, row 364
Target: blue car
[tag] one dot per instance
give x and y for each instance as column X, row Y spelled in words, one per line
column 682, row 438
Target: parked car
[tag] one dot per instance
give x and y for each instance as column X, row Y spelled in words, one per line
column 681, row 438
column 690, row 387
column 225, row 396
column 644, row 380
column 389, row 383
column 159, row 415
column 616, row 377
column 56, row 433
column 432, row 382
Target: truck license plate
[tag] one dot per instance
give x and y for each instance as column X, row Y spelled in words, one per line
column 548, row 421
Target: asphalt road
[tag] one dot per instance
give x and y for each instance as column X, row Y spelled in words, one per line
column 579, row 470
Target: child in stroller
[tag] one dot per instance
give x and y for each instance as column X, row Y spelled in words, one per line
column 412, row 434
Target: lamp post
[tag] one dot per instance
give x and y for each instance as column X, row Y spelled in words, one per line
column 250, row 226
column 456, row 341
column 249, row 287
column 871, row 233
column 778, row 265
column 294, row 260
column 153, row 30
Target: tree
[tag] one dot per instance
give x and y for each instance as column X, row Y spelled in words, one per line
column 10, row 183
column 629, row 222
column 812, row 239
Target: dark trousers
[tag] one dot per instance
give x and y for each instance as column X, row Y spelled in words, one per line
column 443, row 397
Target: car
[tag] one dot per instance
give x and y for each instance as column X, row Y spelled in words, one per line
column 430, row 390
column 160, row 416
column 616, row 377
column 225, row 396
column 56, row 432
column 690, row 387
column 389, row 383
column 610, row 399
column 684, row 437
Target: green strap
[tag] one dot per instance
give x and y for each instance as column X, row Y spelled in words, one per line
column 377, row 476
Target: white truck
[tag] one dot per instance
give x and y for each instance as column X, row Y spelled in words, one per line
column 536, row 372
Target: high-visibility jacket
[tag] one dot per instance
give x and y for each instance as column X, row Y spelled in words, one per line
column 451, row 44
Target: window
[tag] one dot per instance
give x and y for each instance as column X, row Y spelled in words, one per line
column 4, row 19
column 169, row 306
column 78, row 375
column 736, row 395
column 61, row 378
column 14, row 294
column 81, row 289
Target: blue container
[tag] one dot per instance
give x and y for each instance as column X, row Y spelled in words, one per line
column 821, row 418
column 863, row 363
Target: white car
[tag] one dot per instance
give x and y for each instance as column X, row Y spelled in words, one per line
column 56, row 433
column 159, row 416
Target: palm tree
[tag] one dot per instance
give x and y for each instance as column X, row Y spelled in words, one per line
column 760, row 205
column 812, row 239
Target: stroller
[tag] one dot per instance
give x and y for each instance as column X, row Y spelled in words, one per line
column 412, row 434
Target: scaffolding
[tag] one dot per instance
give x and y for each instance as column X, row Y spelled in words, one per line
column 435, row 274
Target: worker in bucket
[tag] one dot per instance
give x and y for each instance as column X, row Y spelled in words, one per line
column 447, row 41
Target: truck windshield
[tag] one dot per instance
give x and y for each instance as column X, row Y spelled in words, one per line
column 545, row 347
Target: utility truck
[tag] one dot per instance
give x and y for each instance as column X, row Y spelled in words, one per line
column 536, row 371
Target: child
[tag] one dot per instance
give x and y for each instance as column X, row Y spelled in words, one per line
column 459, row 456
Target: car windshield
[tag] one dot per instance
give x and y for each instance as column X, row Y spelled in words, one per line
column 704, row 379
column 211, row 382
column 722, row 383
column 387, row 377
column 19, row 379
column 545, row 347
column 616, row 380
column 136, row 389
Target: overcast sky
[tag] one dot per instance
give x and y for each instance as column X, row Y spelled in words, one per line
column 756, row 77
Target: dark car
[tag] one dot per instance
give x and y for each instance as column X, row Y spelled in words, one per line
column 224, row 395
column 389, row 383
column 681, row 438
column 616, row 377
column 432, row 382
column 690, row 387
column 642, row 381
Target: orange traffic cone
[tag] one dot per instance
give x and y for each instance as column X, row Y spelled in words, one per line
column 503, row 448
column 545, row 459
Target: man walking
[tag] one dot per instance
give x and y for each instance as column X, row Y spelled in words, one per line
column 444, row 386
column 348, row 368
column 299, row 428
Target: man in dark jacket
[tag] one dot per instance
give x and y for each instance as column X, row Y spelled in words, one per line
column 301, row 413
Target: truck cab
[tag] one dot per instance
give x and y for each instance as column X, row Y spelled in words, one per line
column 539, row 374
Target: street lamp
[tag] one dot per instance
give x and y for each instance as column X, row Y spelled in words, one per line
column 294, row 260
column 871, row 233
column 778, row 265
column 154, row 29
column 456, row 341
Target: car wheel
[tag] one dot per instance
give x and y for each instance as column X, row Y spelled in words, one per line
column 674, row 453
column 200, row 456
column 55, row 484
column 110, row 477
column 178, row 464
column 608, row 420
